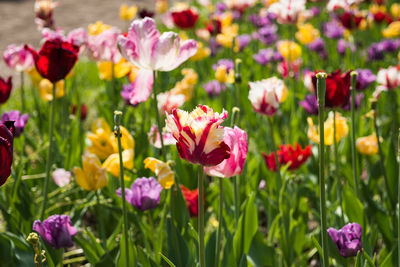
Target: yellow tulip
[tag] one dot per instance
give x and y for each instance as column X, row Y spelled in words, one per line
column 112, row 163
column 395, row 10
column 342, row 129
column 161, row 6
column 127, row 140
column 97, row 28
column 186, row 85
column 306, row 33
column 35, row 77
column 92, row 176
column 121, row 69
column 162, row 170
column 367, row 145
column 392, row 31
column 127, row 12
column 289, row 50
column 377, row 8
column 46, row 89
column 227, row 35
column 202, row 52
column 223, row 76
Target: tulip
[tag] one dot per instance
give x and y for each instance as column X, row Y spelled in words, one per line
column 121, row 69
column 61, row 177
column 236, row 139
column 5, row 89
column 103, row 46
column 350, row 20
column 342, row 129
column 337, row 89
column 148, row 49
column 91, row 176
column 97, row 28
column 192, row 200
column 367, row 145
column 46, row 90
column 154, row 137
column 168, row 101
column 44, row 13
column 347, row 239
column 310, row 104
column 18, row 58
column 307, row 33
column 19, row 120
column 266, row 95
column 6, row 150
column 185, row 19
column 214, row 88
column 112, row 163
column 57, row 231
column 199, row 135
column 55, row 59
column 267, row 34
column 162, row 170
column 288, row 11
column 289, row 50
column 364, row 79
column 389, row 78
column 294, row 157
column 333, row 29
column 127, row 12
column 144, row 193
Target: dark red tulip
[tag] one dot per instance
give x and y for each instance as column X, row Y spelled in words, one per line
column 185, row 19
column 83, row 111
column 214, row 26
column 350, row 20
column 146, row 13
column 55, row 59
column 337, row 89
column 6, row 150
column 5, row 89
column 192, row 200
column 294, row 156
column 382, row 16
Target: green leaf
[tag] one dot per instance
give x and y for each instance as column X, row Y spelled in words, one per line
column 353, row 207
column 179, row 210
column 210, row 249
column 260, row 254
column 123, row 253
column 88, row 248
column 246, row 230
column 167, row 260
column 391, row 167
column 6, row 251
column 178, row 250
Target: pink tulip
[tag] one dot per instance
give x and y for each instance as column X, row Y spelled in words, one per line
column 18, row 58
column 288, row 11
column 154, row 137
column 236, row 139
column 145, row 47
column 103, row 47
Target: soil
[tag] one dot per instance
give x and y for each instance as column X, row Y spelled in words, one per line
column 17, row 23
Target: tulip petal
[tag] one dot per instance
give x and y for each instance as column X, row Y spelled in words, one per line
column 141, row 87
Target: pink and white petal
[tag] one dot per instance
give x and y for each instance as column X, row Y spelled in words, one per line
column 188, row 49
column 141, row 87
column 165, row 52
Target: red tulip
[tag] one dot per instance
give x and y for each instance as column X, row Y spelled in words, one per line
column 214, row 26
column 55, row 59
column 337, row 88
column 287, row 154
column 185, row 19
column 5, row 89
column 6, row 150
column 192, row 200
column 350, row 20
column 83, row 111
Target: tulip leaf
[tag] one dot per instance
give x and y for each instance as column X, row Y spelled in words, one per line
column 210, row 249
column 247, row 227
column 179, row 210
column 353, row 207
column 178, row 250
column 260, row 254
column 391, row 168
column 123, row 253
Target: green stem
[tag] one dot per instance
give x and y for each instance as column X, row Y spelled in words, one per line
column 235, row 180
column 398, row 200
column 278, row 166
column 202, row 258
column 353, row 131
column 37, row 107
column 117, row 130
column 158, row 115
column 22, row 93
column 61, row 255
column 321, row 84
column 100, row 221
column 49, row 155
column 219, row 230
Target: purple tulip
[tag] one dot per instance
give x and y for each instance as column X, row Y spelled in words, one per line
column 264, row 56
column 267, row 34
column 347, row 239
column 57, row 231
column 318, row 46
column 310, row 104
column 261, row 21
column 365, row 78
column 214, row 46
column 144, row 193
column 224, row 62
column 333, row 29
column 126, row 92
column 243, row 40
column 19, row 120
column 214, row 88
column 342, row 45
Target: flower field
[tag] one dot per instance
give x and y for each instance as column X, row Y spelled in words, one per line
column 210, row 133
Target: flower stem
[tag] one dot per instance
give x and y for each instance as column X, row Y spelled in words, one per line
column 22, row 92
column 321, row 84
column 202, row 258
column 155, row 101
column 398, row 200
column 219, row 230
column 235, row 180
column 117, row 132
column 61, row 255
column 100, row 221
column 49, row 156
column 278, row 171
column 353, row 131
